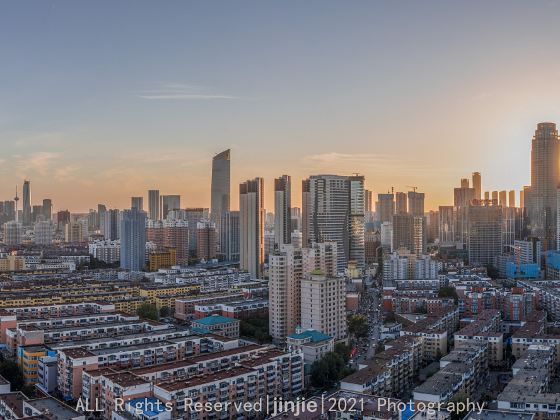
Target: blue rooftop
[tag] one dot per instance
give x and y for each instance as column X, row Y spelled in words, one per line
column 215, row 319
column 316, row 336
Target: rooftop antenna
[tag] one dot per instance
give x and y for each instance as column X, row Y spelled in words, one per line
column 16, row 199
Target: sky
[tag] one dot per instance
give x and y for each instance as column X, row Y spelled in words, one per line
column 100, row 101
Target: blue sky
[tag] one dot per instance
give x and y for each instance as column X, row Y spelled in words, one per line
column 103, row 100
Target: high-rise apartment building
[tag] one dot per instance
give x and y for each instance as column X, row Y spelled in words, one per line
column 502, row 198
column 368, row 194
column 477, row 185
column 43, row 232
column 282, row 210
column 154, row 205
column 47, row 209
column 305, row 209
column 73, row 232
column 401, row 205
column 484, row 235
column 385, row 207
column 540, row 198
column 169, row 203
column 137, row 203
column 230, row 236
column 287, row 267
column 193, row 215
column 511, row 198
column 110, row 224
column 336, row 214
column 409, row 232
column 133, row 240
column 416, row 203
column 323, row 304
column 170, row 233
column 26, row 205
column 251, row 226
column 206, row 240
column 220, row 188
column 447, row 224
column 13, row 233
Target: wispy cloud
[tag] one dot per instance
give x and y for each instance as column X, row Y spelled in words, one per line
column 180, row 91
column 39, row 163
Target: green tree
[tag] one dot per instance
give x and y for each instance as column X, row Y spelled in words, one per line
column 164, row 311
column 326, row 372
column 448, row 292
column 343, row 350
column 12, row 372
column 358, row 326
column 148, row 311
column 255, row 328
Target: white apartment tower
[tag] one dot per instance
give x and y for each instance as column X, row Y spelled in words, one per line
column 287, row 267
column 323, row 304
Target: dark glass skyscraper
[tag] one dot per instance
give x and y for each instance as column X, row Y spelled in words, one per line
column 220, row 188
column 26, row 203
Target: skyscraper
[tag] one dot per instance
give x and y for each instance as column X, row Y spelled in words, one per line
column 220, row 188
column 316, row 314
column 305, row 208
column 26, row 203
column 540, row 199
column 484, row 235
column 47, row 209
column 368, row 200
column 137, row 203
column 154, row 208
column 287, row 267
column 206, row 242
column 230, row 236
column 193, row 216
column 110, row 224
column 133, row 240
column 282, row 210
column 385, row 207
column 251, row 226
column 401, row 206
column 336, row 214
column 168, row 203
column 356, row 227
column 416, row 203
column 511, row 201
column 477, row 185
column 502, row 198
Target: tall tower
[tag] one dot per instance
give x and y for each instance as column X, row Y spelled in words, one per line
column 477, row 185
column 137, row 202
column 305, row 208
column 133, row 240
column 337, row 215
column 540, row 200
column 251, row 226
column 416, row 203
column 282, row 210
column 16, row 199
column 154, row 207
column 401, row 206
column 26, row 203
column 220, row 188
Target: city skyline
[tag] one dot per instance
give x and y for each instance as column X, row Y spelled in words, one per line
column 150, row 117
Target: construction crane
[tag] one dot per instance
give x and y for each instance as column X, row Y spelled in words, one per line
column 412, row 186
